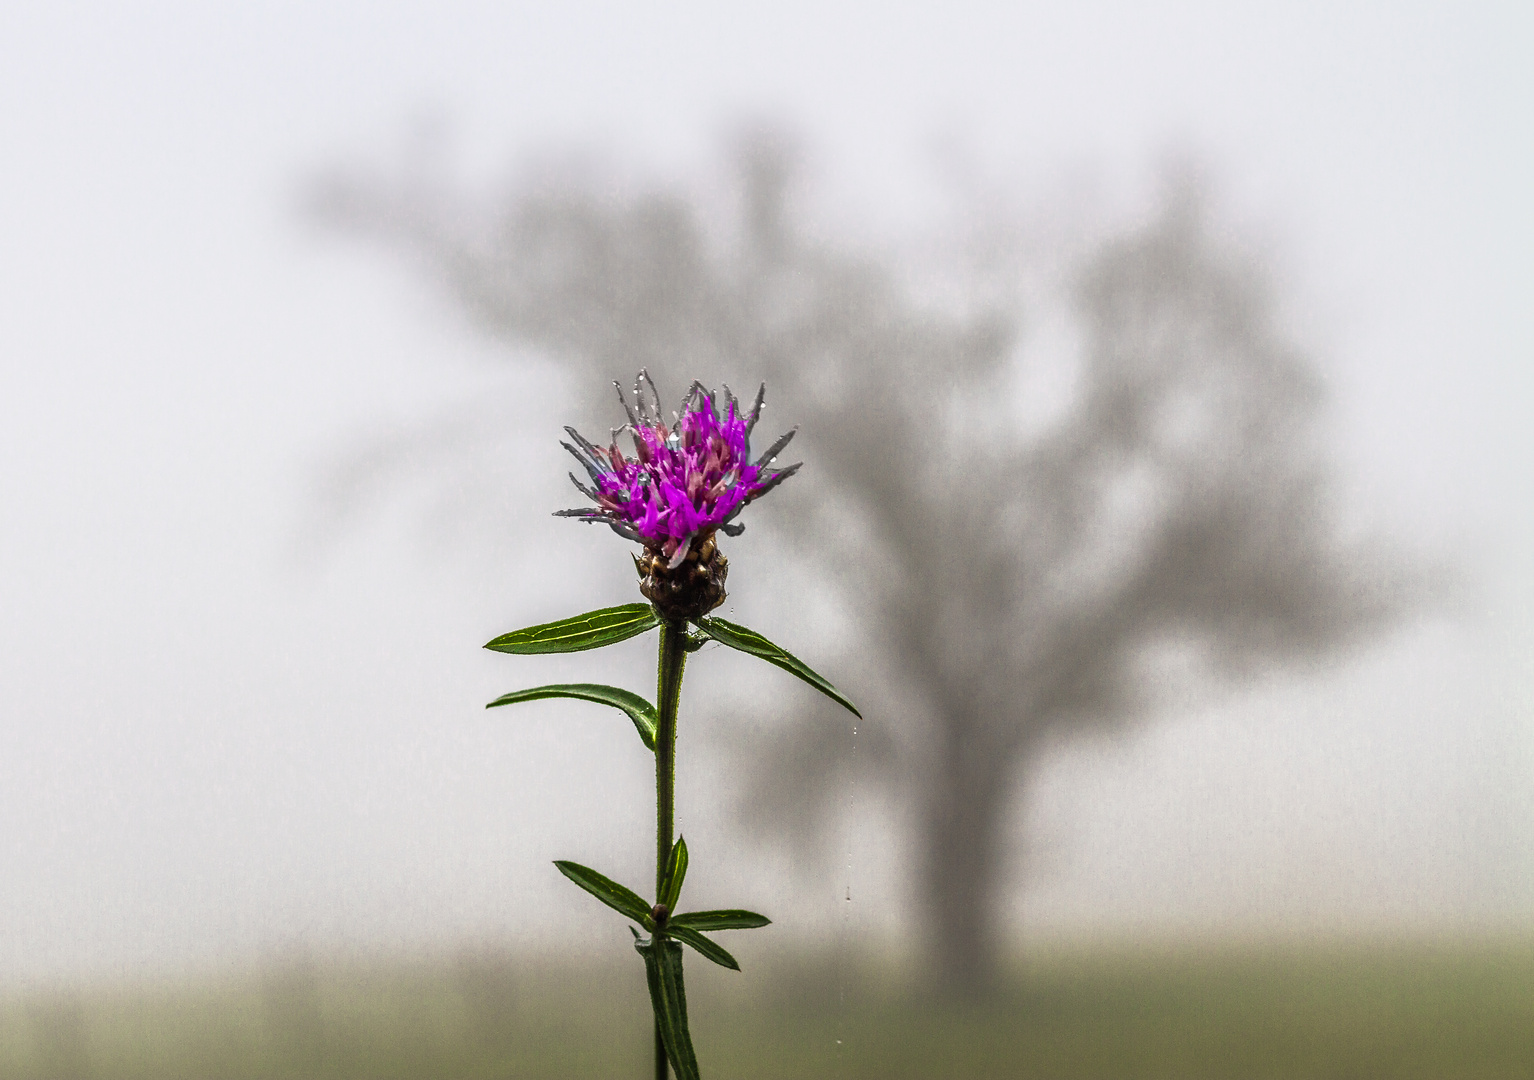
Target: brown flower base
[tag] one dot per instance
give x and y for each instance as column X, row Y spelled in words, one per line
column 693, row 589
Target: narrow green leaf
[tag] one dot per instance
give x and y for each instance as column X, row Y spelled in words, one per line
column 589, row 631
column 638, row 709
column 668, row 997
column 703, row 945
column 622, row 900
column 720, row 920
column 749, row 641
column 676, row 870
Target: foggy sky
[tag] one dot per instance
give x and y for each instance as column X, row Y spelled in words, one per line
column 222, row 732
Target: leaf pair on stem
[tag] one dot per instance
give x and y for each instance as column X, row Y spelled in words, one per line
column 686, row 927
column 608, row 626
column 662, row 955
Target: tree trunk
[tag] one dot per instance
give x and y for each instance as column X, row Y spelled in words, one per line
column 961, row 853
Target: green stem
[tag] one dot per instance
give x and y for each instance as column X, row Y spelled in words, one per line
column 668, row 695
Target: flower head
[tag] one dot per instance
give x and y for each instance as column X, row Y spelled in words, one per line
column 686, row 479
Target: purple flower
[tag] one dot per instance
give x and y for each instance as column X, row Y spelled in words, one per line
column 686, row 479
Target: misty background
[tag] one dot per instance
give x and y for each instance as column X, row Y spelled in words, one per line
column 241, row 718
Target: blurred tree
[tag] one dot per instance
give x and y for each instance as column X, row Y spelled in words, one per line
column 1020, row 580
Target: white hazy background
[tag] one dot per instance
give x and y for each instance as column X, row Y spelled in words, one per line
column 228, row 728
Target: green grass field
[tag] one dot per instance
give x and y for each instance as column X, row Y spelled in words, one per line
column 1236, row 1013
